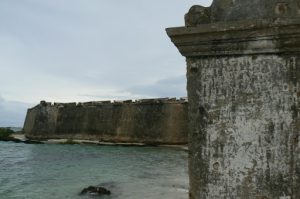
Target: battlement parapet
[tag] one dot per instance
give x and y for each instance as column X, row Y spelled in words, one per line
column 115, row 102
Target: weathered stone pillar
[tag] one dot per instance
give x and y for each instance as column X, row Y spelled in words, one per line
column 243, row 71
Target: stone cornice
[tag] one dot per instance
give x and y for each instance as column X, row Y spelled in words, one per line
column 238, row 38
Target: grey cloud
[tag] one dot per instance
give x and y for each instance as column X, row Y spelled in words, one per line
column 109, row 43
column 12, row 113
column 168, row 87
column 77, row 49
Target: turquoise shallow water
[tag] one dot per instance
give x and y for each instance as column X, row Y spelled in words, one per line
column 62, row 171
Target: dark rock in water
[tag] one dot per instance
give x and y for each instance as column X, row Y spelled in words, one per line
column 12, row 139
column 95, row 190
column 32, row 142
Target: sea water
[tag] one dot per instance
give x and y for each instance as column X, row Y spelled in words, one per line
column 53, row 171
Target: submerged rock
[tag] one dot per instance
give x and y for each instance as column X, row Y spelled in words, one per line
column 95, row 190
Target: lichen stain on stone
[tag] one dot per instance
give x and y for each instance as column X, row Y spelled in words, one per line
column 248, row 135
column 281, row 8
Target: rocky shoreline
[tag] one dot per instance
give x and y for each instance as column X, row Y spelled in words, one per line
column 21, row 138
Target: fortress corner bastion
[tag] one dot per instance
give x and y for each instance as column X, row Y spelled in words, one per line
column 243, row 82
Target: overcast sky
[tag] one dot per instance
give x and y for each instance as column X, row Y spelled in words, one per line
column 85, row 50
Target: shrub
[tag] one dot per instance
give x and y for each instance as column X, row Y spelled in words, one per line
column 5, row 133
column 70, row 141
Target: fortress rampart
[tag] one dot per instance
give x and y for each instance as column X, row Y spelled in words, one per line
column 148, row 121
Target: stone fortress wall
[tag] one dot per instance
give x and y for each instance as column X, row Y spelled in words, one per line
column 148, row 121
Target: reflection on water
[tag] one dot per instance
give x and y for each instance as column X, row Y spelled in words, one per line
column 62, row 171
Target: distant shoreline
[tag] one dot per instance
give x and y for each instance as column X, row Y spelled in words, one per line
column 22, row 138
